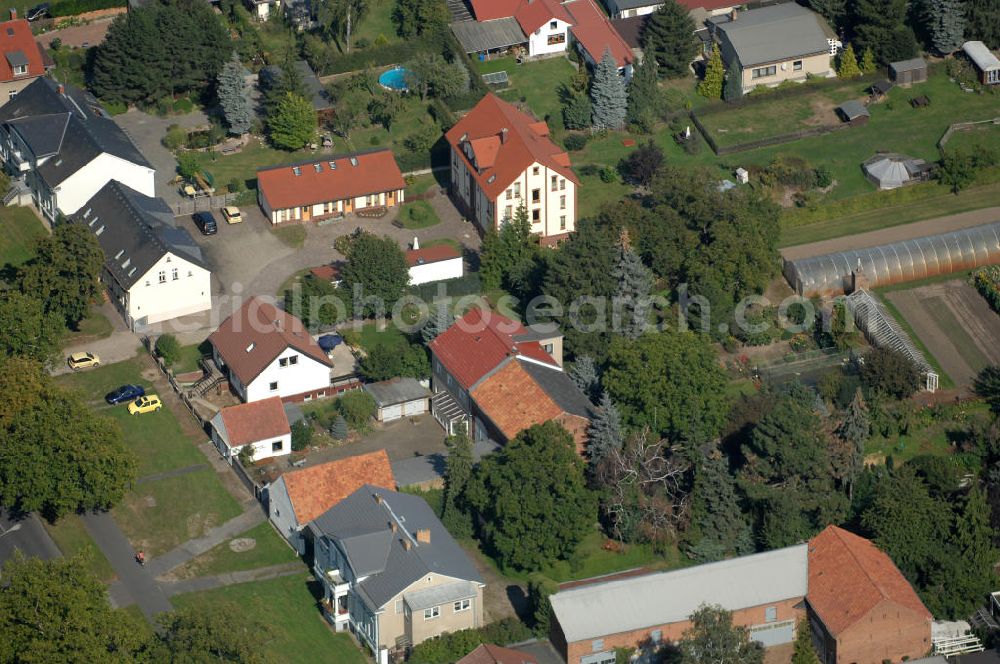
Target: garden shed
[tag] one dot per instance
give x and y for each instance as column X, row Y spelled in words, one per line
column 853, row 111
column 399, row 397
column 908, row 72
column 891, row 170
column 985, row 61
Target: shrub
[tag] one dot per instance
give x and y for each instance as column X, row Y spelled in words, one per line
column 609, row 174
column 115, row 107
column 362, row 43
column 452, row 647
column 889, row 372
column 55, row 44
column 183, row 105
column 375, row 140
column 236, row 185
column 168, row 349
column 575, row 142
column 74, row 7
column 987, row 282
column 824, row 178
column 188, row 163
column 339, row 427
column 175, row 137
column 302, row 433
column 357, row 407
column 540, row 587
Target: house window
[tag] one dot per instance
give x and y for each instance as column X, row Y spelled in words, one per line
column 597, row 645
column 273, row 386
column 553, row 25
column 510, row 194
column 11, row 95
column 534, row 171
column 547, row 348
column 190, row 273
column 536, row 216
column 399, row 606
column 536, row 195
column 174, row 275
column 555, row 182
column 370, row 200
column 562, row 202
column 276, row 446
column 432, row 613
column 463, row 605
column 562, row 222
column 770, row 614
column 147, row 282
column 508, row 212
column 797, row 65
column 163, row 276
column 557, row 38
column 293, row 360
column 517, row 190
column 20, row 70
column 764, row 72
column 562, row 184
column 283, row 362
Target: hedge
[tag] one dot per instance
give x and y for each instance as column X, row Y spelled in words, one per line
column 465, row 285
column 450, row 647
column 987, row 282
column 382, row 56
column 74, row 7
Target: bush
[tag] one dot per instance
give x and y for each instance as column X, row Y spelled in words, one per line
column 468, row 284
column 114, row 107
column 442, row 115
column 175, row 137
column 55, row 44
column 574, row 142
column 540, row 587
column 609, row 174
column 74, row 7
column 358, row 408
column 452, row 647
column 168, row 349
column 987, row 282
column 889, row 372
column 236, row 186
column 183, row 106
column 188, row 163
column 302, row 433
column 338, row 429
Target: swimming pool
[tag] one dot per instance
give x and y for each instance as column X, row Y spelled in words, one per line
column 394, row 79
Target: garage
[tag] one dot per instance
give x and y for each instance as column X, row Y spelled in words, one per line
column 399, row 397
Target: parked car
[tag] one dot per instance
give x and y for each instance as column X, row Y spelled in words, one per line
column 84, row 360
column 37, row 12
column 125, row 393
column 205, row 221
column 145, row 404
column 232, row 214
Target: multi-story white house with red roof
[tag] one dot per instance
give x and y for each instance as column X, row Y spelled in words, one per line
column 501, row 159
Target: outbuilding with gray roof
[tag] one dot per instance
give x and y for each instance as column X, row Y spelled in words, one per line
column 399, row 397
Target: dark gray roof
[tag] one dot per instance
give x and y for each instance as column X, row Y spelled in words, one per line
column 70, row 125
column 396, row 390
column 774, row 33
column 853, row 109
column 318, row 95
column 135, row 231
column 359, row 524
column 488, row 35
column 909, row 65
column 560, row 389
column 16, row 58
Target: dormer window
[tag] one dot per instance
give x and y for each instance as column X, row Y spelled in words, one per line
column 20, row 70
column 553, row 25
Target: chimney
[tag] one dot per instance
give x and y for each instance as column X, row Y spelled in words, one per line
column 407, row 544
column 732, row 15
column 61, row 89
column 13, row 14
column 377, row 497
column 424, row 536
column 503, row 135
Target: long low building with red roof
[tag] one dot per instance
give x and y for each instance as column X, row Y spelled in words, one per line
column 502, row 159
column 260, row 426
column 330, row 187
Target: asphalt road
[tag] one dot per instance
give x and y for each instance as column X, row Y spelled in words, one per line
column 26, row 535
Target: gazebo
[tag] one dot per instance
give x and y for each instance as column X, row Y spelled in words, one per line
column 891, row 171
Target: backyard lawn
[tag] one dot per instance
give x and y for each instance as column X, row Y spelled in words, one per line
column 536, row 82
column 936, row 438
column 270, row 549
column 288, row 605
column 418, row 214
column 189, row 356
column 21, row 230
column 95, row 326
column 981, row 136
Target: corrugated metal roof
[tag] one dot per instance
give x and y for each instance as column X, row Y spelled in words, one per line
column 778, row 32
column 396, row 390
column 982, row 56
column 438, row 595
column 593, row 611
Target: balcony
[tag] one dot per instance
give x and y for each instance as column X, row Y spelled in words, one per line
column 338, row 585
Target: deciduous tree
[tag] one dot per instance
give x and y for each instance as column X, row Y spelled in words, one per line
column 889, row 372
column 713, row 639
column 340, row 18
column 27, row 330
column 200, row 635
column 384, row 107
column 643, row 164
column 292, row 125
column 414, row 18
column 532, row 498
column 608, row 99
column 65, row 272
column 376, row 267
column 669, row 37
column 386, row 361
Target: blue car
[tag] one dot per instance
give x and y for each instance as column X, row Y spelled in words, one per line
column 125, row 393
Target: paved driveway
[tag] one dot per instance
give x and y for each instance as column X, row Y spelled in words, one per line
column 147, row 132
column 78, row 36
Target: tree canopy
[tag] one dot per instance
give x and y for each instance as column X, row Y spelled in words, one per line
column 376, row 271
column 65, row 272
column 713, row 639
column 26, row 329
column 533, row 498
column 669, row 38
column 608, row 99
column 292, row 124
column 234, row 96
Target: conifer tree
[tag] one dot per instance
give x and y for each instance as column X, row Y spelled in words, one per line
column 632, row 297
column 669, row 38
column 643, row 95
column 982, row 21
column 234, row 96
column 848, row 65
column 438, row 321
column 733, row 90
column 715, row 76
column 972, row 572
column 339, row 428
column 855, row 430
column 584, row 376
column 604, row 435
column 458, row 470
column 608, row 98
column 805, row 651
column 945, row 19
column 718, row 527
column 868, row 64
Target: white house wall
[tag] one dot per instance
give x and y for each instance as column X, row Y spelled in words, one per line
column 80, row 187
column 551, row 206
column 436, row 271
column 150, row 301
column 282, row 515
column 538, row 41
column 616, row 12
column 305, row 376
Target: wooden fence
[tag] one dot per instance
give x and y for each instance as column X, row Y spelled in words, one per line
column 203, row 203
column 962, row 126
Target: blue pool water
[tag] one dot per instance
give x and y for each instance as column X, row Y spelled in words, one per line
column 394, row 79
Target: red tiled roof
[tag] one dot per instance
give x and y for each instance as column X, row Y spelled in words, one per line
column 16, row 36
column 593, row 29
column 533, row 14
column 487, row 653
column 435, row 254
column 514, row 401
column 849, row 576
column 314, row 490
column 487, row 10
column 354, row 175
column 250, row 339
column 525, row 144
column 326, row 272
column 479, row 342
column 255, row 421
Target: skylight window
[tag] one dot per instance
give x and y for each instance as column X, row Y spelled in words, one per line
column 296, row 170
column 318, row 167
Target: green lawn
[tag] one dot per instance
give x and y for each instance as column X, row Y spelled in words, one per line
column 420, row 184
column 95, row 326
column 294, row 235
column 536, row 82
column 72, row 538
column 377, row 22
column 271, row 549
column 21, row 231
column 289, row 606
column 935, row 438
column 418, row 214
column 454, row 244
column 189, row 356
column 158, row 516
column 244, row 165
column 985, row 136
column 371, row 335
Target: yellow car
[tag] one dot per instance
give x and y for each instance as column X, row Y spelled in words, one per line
column 78, row 361
column 146, row 404
column 231, row 214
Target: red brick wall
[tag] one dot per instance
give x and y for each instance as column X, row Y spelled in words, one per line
column 577, row 427
column 889, row 631
column 791, row 609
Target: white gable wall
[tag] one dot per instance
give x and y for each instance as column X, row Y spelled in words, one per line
column 538, row 41
column 436, row 271
column 305, row 375
column 282, row 515
column 173, row 287
column 80, row 187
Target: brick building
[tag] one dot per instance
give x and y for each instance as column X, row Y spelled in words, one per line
column 861, row 608
column 765, row 593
